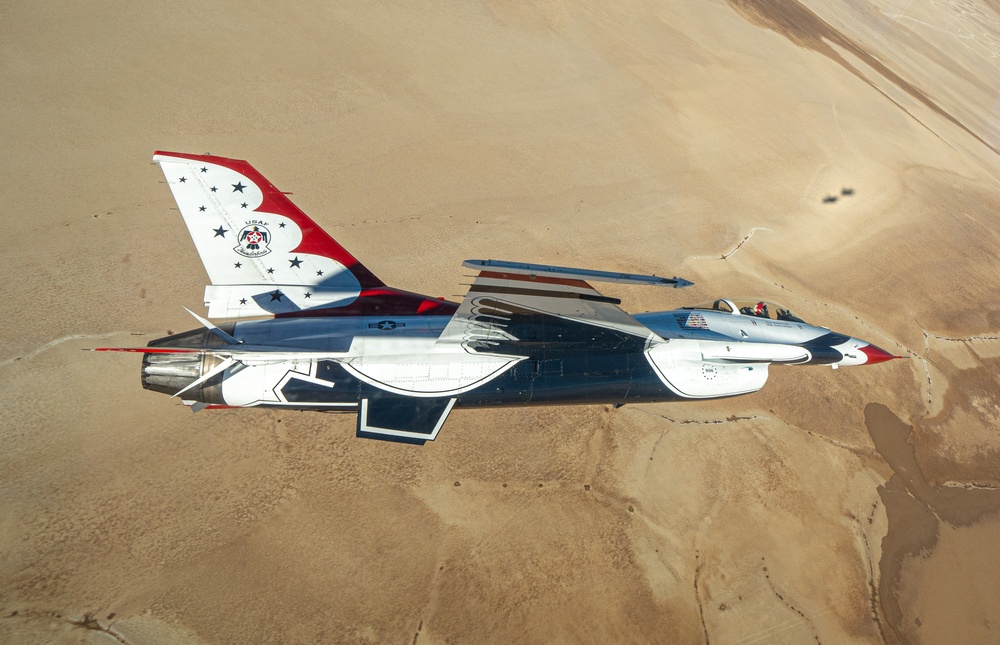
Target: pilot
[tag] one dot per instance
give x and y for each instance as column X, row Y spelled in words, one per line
column 760, row 310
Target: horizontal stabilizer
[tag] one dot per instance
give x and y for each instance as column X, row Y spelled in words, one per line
column 577, row 274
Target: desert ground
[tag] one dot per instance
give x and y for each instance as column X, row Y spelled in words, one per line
column 840, row 158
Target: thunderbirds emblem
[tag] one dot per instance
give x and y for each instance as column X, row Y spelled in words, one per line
column 253, row 240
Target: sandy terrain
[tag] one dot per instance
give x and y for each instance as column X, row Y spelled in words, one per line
column 701, row 139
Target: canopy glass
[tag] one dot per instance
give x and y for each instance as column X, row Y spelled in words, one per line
column 749, row 307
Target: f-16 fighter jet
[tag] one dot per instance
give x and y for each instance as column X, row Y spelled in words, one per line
column 327, row 335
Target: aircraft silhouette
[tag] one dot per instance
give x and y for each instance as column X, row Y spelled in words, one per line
column 336, row 338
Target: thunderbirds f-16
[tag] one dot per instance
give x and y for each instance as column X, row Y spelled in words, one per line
column 338, row 339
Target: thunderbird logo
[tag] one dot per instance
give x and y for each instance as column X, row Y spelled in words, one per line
column 253, row 240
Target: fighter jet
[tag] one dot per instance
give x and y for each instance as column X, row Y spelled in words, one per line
column 316, row 330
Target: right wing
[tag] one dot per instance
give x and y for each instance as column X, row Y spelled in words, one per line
column 541, row 299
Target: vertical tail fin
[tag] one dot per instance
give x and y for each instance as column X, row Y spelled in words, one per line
column 265, row 256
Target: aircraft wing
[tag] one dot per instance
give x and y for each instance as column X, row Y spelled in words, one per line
column 534, row 292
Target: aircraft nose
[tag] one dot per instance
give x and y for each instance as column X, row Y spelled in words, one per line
column 876, row 354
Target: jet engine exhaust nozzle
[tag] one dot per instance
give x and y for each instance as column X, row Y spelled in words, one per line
column 170, row 373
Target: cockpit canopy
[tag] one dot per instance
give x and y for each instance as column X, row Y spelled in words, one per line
column 750, row 307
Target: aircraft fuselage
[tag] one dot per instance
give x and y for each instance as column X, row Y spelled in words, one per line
column 333, row 363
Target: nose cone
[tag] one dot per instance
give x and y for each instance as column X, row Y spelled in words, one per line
column 876, row 354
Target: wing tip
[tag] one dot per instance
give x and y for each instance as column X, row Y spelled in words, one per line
column 574, row 273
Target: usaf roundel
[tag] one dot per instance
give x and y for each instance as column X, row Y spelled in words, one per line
column 253, row 240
